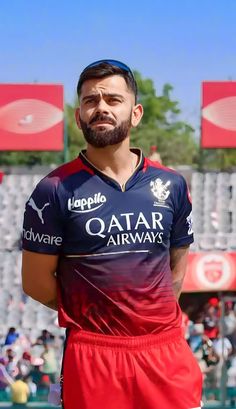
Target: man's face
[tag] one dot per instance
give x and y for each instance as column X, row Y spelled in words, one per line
column 106, row 111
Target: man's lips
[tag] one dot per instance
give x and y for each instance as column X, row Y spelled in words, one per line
column 102, row 123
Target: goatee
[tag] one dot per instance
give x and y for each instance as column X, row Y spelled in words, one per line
column 103, row 138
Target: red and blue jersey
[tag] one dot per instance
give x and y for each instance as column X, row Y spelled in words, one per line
column 113, row 243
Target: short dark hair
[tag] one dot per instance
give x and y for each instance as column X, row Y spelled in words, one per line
column 105, row 68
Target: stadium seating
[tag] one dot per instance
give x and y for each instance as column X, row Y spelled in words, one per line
column 16, row 309
column 214, row 211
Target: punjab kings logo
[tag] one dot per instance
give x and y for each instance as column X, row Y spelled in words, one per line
column 213, row 271
column 160, row 191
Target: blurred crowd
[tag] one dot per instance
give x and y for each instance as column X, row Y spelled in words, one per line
column 212, row 337
column 28, row 366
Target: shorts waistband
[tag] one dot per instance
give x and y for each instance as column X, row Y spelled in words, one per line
column 121, row 342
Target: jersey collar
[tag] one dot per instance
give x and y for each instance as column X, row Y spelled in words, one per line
column 132, row 178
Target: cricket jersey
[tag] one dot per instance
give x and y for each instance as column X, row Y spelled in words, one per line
column 113, row 243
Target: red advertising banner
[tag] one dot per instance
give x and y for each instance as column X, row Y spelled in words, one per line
column 31, row 117
column 218, row 114
column 210, row 271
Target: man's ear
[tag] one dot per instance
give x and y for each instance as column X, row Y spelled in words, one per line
column 137, row 114
column 77, row 117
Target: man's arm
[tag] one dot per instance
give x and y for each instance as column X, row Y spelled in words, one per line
column 178, row 265
column 39, row 277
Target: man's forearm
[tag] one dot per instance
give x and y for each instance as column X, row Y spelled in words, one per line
column 47, row 298
column 177, row 287
column 178, row 265
column 52, row 304
column 39, row 279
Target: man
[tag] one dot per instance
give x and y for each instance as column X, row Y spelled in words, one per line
column 154, row 154
column 105, row 241
column 5, row 378
column 11, row 336
column 19, row 392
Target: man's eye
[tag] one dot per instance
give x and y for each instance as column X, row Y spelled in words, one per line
column 114, row 99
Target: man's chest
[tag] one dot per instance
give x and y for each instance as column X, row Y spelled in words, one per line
column 101, row 217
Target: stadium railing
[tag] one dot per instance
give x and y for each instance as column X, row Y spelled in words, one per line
column 211, row 400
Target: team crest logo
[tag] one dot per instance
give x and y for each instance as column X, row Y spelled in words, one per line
column 160, row 191
column 214, row 271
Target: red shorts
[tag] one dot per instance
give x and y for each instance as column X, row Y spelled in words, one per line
column 142, row 372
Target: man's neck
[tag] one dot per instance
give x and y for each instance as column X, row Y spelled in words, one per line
column 116, row 161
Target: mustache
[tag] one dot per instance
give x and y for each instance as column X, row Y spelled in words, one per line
column 102, row 118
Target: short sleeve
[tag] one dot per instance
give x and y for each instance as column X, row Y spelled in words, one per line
column 182, row 228
column 43, row 225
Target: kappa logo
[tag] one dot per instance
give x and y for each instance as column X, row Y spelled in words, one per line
column 39, row 211
column 160, row 191
column 86, row 205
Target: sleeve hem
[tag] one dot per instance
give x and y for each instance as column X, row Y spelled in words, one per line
column 183, row 241
column 41, row 250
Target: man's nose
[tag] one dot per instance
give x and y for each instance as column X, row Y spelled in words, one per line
column 102, row 106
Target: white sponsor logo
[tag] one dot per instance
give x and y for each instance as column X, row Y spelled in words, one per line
column 122, row 229
column 160, row 191
column 189, row 220
column 27, row 119
column 86, row 205
column 135, row 238
column 222, row 113
column 30, row 235
column 33, row 116
column 39, row 211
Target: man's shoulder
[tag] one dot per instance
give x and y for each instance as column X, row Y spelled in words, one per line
column 70, row 168
column 159, row 170
column 65, row 172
